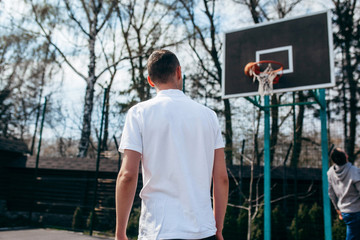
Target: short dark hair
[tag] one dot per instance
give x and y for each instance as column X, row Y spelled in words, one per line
column 162, row 65
column 338, row 156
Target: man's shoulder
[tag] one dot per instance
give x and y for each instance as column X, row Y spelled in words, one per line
column 141, row 105
column 155, row 102
column 355, row 171
column 330, row 170
column 201, row 106
column 134, row 108
column 355, row 167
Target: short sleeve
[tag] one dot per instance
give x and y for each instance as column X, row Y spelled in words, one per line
column 131, row 136
column 219, row 142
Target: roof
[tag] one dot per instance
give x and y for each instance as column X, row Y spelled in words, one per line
column 13, row 145
column 78, row 164
column 278, row 172
column 111, row 165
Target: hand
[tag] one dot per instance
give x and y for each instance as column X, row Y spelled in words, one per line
column 219, row 236
column 339, row 213
column 121, row 237
column 116, row 238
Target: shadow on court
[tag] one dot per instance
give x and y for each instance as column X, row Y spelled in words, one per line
column 45, row 234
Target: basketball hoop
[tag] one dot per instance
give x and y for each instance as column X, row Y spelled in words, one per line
column 266, row 75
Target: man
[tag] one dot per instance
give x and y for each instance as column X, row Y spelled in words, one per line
column 344, row 192
column 181, row 149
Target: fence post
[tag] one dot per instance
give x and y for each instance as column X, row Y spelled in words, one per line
column 241, row 172
column 325, row 165
column 267, row 172
column 117, row 149
column 38, row 155
column 295, row 149
column 97, row 166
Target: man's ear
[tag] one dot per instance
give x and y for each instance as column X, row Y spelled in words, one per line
column 178, row 72
column 150, row 82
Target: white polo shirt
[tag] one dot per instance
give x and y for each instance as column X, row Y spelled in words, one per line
column 177, row 138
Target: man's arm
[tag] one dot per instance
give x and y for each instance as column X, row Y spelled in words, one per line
column 357, row 186
column 333, row 198
column 125, row 191
column 220, row 190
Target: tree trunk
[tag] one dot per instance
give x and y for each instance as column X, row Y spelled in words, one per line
column 353, row 105
column 228, row 133
column 347, row 38
column 258, row 153
column 250, row 193
column 345, row 114
column 274, row 127
column 104, row 146
column 298, row 132
column 86, row 125
column 89, row 94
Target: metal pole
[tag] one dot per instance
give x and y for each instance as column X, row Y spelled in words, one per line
column 41, row 130
column 183, row 87
column 325, row 165
column 295, row 148
column 117, row 148
column 97, row 166
column 267, row 178
column 285, row 178
column 241, row 170
column 36, row 126
column 38, row 153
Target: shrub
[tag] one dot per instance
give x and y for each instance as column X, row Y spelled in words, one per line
column 107, row 222
column 18, row 221
column 77, row 221
column 338, row 229
column 317, row 221
column 133, row 224
column 309, row 223
column 242, row 224
column 300, row 226
column 278, row 225
column 257, row 228
column 95, row 220
column 231, row 227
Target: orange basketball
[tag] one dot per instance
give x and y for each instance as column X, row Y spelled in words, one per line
column 249, row 66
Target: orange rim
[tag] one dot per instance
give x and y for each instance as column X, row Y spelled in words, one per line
column 251, row 64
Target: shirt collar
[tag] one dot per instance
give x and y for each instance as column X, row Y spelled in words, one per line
column 170, row 93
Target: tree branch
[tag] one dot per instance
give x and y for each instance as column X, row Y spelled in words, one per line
column 108, row 15
column 48, row 38
column 72, row 16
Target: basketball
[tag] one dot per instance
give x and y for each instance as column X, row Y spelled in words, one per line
column 249, row 66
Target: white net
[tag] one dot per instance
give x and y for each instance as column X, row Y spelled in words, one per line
column 265, row 79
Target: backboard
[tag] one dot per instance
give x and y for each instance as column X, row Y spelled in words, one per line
column 304, row 45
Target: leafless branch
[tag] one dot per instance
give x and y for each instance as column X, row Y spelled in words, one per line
column 72, row 16
column 108, row 14
column 48, row 38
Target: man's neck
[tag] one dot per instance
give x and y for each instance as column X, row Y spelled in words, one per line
column 167, row 86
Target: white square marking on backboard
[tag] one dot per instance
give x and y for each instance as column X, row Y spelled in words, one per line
column 279, row 49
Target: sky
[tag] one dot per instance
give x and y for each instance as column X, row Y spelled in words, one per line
column 230, row 17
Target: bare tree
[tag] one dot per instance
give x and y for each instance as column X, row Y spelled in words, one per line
column 254, row 200
column 266, row 11
column 86, row 20
column 146, row 26
column 206, row 46
column 346, row 38
column 25, row 64
column 112, row 56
